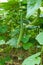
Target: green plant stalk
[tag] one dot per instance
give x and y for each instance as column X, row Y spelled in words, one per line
column 21, row 32
column 21, row 24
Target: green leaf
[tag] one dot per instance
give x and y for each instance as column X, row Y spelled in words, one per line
column 2, row 42
column 39, row 38
column 26, row 46
column 32, row 6
column 32, row 60
column 12, row 42
column 25, row 38
column 3, row 29
column 15, row 32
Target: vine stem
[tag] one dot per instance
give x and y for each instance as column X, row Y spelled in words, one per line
column 21, row 30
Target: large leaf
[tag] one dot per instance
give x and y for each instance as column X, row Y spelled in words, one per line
column 39, row 38
column 32, row 6
column 32, row 60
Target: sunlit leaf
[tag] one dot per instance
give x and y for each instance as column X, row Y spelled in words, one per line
column 2, row 42
column 32, row 60
column 12, row 42
column 39, row 38
column 32, row 6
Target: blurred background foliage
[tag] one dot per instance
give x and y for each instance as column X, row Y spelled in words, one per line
column 10, row 21
column 20, row 22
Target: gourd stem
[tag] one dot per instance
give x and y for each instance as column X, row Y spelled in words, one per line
column 21, row 30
